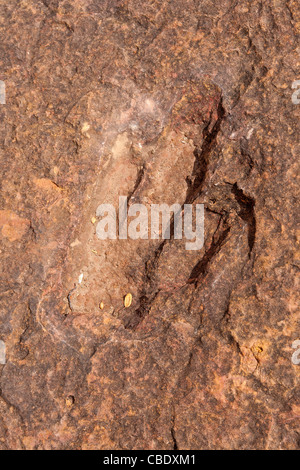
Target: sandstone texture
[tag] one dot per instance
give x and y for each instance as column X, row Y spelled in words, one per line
column 162, row 101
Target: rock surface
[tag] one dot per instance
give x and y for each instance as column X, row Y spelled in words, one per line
column 162, row 101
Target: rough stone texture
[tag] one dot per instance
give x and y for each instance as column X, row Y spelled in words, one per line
column 185, row 101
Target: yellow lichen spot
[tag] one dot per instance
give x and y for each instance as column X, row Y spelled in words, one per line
column 127, row 300
column 93, row 220
column 84, row 130
column 101, row 305
column 85, row 127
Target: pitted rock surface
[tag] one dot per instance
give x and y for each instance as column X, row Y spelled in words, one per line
column 161, row 101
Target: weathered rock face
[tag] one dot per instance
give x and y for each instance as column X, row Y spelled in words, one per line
column 169, row 102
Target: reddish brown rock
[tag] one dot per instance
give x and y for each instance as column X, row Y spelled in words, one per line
column 183, row 102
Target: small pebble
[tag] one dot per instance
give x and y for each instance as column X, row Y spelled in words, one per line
column 127, row 300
